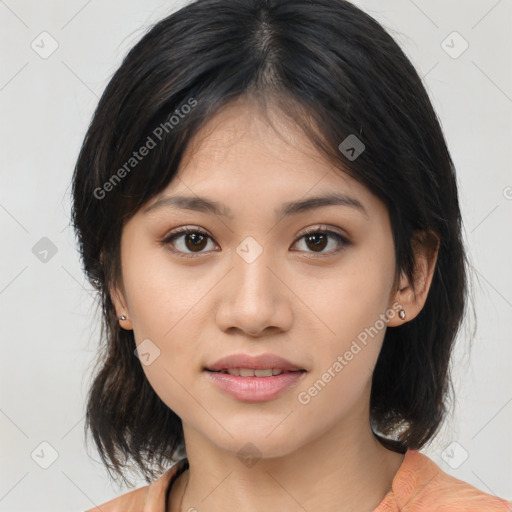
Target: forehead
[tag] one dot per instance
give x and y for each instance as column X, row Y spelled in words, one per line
column 243, row 148
column 246, row 163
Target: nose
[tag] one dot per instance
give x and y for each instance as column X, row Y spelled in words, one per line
column 254, row 298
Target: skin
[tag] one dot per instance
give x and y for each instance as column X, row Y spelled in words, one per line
column 304, row 305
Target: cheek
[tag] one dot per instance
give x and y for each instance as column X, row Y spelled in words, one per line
column 160, row 296
column 340, row 384
column 352, row 298
column 168, row 316
column 352, row 313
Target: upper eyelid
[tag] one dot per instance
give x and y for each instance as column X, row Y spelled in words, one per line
column 196, row 229
column 320, row 228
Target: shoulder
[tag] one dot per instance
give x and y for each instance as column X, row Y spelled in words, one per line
column 150, row 497
column 130, row 502
column 421, row 485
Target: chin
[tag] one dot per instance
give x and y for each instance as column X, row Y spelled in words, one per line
column 252, row 442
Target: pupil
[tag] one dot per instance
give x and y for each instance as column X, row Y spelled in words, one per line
column 196, row 240
column 317, row 245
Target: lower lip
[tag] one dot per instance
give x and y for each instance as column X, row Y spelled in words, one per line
column 255, row 389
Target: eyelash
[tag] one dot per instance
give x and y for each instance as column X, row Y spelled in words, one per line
column 312, row 231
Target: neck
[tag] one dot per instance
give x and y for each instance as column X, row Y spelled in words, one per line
column 342, row 471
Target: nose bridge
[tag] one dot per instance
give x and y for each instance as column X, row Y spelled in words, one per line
column 252, row 298
column 252, row 273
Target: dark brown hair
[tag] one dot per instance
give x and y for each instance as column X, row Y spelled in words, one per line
column 336, row 72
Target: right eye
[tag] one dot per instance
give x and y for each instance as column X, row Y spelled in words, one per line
column 188, row 238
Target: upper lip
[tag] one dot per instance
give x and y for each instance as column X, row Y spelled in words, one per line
column 260, row 362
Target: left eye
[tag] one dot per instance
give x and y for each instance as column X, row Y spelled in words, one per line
column 318, row 240
column 195, row 240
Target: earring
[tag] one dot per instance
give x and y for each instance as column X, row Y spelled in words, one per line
column 401, row 314
column 122, row 317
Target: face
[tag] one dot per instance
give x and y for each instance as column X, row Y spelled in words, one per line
column 312, row 285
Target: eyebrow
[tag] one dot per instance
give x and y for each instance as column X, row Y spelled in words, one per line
column 203, row 204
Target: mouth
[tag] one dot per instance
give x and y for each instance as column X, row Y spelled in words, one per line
column 254, row 378
column 253, row 372
column 246, row 365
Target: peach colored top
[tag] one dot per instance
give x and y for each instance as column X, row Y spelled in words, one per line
column 418, row 486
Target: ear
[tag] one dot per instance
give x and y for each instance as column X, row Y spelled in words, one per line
column 118, row 299
column 411, row 294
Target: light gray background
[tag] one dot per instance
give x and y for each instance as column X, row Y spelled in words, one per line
column 48, row 322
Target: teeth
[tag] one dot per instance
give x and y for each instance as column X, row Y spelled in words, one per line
column 263, row 373
column 250, row 372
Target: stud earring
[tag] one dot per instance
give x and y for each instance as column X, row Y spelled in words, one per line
column 401, row 314
column 122, row 317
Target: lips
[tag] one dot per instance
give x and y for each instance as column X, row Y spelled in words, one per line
column 249, row 378
column 245, row 365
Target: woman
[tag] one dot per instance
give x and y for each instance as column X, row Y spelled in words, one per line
column 267, row 206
